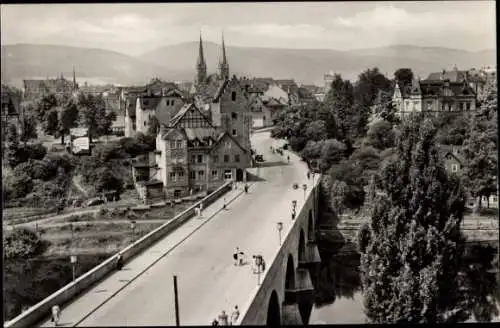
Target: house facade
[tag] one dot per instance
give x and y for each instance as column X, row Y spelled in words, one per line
column 449, row 93
column 35, row 89
column 193, row 155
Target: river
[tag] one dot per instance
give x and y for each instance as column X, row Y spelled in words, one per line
column 339, row 299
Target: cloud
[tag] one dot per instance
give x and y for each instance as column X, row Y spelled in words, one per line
column 280, row 31
column 386, row 17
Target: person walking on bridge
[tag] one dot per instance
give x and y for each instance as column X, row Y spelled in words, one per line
column 223, row 319
column 56, row 313
column 235, row 315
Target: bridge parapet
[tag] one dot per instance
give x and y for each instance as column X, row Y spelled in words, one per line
column 287, row 285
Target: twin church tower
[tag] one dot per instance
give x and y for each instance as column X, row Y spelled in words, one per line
column 201, row 66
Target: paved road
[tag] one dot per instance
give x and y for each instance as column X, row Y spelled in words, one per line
column 200, row 254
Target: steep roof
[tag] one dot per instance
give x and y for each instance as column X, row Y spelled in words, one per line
column 180, row 114
column 201, row 133
column 452, row 76
column 220, row 90
column 222, row 135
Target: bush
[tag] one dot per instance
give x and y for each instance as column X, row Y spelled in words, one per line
column 27, row 152
column 105, row 152
column 22, row 185
column 21, row 243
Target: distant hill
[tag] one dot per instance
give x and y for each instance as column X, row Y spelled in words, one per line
column 309, row 65
column 25, row 61
column 177, row 62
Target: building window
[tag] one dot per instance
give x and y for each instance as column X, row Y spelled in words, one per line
column 144, row 123
column 454, row 168
column 168, row 102
column 181, row 174
column 494, row 199
column 429, row 105
column 214, row 174
column 172, row 102
column 237, row 158
column 233, row 95
column 234, row 115
column 228, row 144
column 468, row 106
column 234, row 132
column 172, row 144
column 200, row 158
column 201, row 175
column 179, row 144
column 193, row 159
column 226, row 158
column 192, row 175
column 216, row 158
column 172, row 176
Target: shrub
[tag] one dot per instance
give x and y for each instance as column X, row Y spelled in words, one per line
column 22, row 185
column 21, row 243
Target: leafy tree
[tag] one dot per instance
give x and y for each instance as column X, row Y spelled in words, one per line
column 404, row 77
column 480, row 156
column 21, row 243
column 92, row 114
column 410, row 268
column 380, row 135
column 316, row 130
column 22, row 185
column 106, row 180
column 29, row 129
column 347, row 191
column 44, row 106
column 50, row 123
column 312, row 150
column 367, row 160
column 332, row 152
column 11, row 151
column 365, row 91
column 67, row 118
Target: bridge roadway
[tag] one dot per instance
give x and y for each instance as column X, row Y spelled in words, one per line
column 200, row 254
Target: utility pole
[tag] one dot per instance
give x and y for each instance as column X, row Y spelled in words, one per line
column 176, row 298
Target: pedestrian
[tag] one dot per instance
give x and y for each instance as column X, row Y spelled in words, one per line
column 246, row 188
column 235, row 255
column 215, row 322
column 288, row 158
column 263, row 264
column 56, row 312
column 293, row 214
column 223, row 319
column 235, row 315
column 119, row 262
column 224, row 206
column 308, row 175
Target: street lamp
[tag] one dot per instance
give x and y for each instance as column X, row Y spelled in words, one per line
column 73, row 261
column 280, row 228
column 132, row 227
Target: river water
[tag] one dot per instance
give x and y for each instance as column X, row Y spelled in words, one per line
column 340, row 300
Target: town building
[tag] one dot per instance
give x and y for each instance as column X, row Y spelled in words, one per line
column 35, row 89
column 440, row 92
column 11, row 110
column 203, row 143
column 328, row 78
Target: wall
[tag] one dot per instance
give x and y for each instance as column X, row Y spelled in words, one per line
column 255, row 313
column 41, row 310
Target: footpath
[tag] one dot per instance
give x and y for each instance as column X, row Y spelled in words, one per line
column 91, row 300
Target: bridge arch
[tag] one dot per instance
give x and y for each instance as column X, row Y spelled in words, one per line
column 302, row 247
column 310, row 227
column 290, row 274
column 273, row 311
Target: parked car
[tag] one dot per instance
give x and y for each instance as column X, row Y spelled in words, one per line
column 95, row 201
column 259, row 158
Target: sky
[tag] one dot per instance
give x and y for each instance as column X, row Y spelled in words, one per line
column 137, row 28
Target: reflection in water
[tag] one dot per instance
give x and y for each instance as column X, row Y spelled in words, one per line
column 339, row 297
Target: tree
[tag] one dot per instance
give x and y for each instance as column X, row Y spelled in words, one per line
column 380, row 135
column 67, row 118
column 315, row 131
column 29, row 128
column 404, row 77
column 106, row 180
column 332, row 151
column 44, row 106
column 410, row 268
column 12, row 149
column 480, row 156
column 92, row 114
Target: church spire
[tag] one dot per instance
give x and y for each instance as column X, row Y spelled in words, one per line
column 75, row 86
column 201, row 66
column 223, row 65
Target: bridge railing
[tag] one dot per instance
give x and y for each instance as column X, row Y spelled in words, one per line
column 36, row 313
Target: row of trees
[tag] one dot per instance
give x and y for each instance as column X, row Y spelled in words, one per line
column 58, row 114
